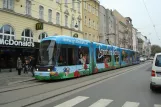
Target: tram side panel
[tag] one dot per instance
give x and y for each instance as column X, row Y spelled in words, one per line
column 103, row 57
column 116, row 57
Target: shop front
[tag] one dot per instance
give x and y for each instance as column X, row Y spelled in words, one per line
column 10, row 50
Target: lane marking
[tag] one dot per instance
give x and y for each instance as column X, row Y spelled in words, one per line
column 157, row 105
column 131, row 104
column 72, row 102
column 101, row 103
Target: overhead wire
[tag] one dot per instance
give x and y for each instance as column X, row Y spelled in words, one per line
column 150, row 19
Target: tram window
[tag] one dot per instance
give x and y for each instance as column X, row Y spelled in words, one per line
column 69, row 55
column 83, row 55
column 101, row 58
column 62, row 60
column 116, row 58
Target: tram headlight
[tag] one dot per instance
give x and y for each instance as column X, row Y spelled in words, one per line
column 49, row 70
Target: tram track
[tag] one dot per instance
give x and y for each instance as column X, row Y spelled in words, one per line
column 101, row 78
column 27, row 85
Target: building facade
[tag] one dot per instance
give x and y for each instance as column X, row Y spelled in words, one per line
column 103, row 37
column 129, row 32
column 135, row 39
column 144, row 45
column 111, row 27
column 121, row 30
column 90, row 12
column 28, row 21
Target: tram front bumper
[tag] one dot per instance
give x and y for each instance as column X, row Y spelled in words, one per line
column 42, row 75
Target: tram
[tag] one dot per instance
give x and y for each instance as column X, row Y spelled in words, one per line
column 62, row 57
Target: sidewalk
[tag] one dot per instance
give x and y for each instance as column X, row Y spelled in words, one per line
column 8, row 78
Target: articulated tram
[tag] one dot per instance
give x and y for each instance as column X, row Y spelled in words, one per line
column 62, row 57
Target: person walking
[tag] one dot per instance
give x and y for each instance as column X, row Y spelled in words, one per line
column 19, row 65
column 32, row 61
column 26, row 65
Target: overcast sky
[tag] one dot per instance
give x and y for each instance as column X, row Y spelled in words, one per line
column 137, row 11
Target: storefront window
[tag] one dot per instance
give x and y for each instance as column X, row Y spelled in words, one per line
column 42, row 35
column 7, row 32
column 27, row 35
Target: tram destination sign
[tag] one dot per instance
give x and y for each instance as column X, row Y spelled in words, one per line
column 16, row 43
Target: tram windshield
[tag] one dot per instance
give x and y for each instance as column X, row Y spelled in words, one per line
column 47, row 52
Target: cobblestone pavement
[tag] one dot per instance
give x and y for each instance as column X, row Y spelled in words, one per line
column 7, row 78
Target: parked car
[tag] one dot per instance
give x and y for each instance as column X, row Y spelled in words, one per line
column 142, row 59
column 156, row 72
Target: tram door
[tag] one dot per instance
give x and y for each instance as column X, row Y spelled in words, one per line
column 92, row 57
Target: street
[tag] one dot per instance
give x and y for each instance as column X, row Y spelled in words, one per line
column 130, row 87
column 126, row 87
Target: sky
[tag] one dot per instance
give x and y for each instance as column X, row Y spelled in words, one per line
column 140, row 19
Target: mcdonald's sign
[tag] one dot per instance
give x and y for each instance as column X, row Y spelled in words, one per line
column 39, row 26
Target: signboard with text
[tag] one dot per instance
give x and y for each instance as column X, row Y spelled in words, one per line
column 16, row 43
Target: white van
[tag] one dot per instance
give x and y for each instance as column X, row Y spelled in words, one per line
column 156, row 72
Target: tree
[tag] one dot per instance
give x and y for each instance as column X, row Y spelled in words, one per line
column 155, row 49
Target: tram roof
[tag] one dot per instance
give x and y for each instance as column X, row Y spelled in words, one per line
column 63, row 39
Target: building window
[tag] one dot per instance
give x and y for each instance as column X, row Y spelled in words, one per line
column 73, row 5
column 78, row 6
column 96, row 12
column 93, row 10
column 79, row 25
column 42, row 35
column 27, row 35
column 8, row 4
column 93, row 37
column 57, row 18
column 41, row 12
column 50, row 15
column 72, row 23
column 57, row 1
column 89, row 7
column 66, row 20
column 93, row 24
column 28, row 7
column 85, row 5
column 85, row 20
column 89, row 22
column 85, row 36
column 7, row 32
column 66, row 2
column 89, row 38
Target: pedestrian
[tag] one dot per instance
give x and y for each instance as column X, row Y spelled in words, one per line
column 19, row 65
column 26, row 65
column 32, row 60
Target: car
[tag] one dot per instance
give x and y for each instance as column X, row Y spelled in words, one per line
column 142, row 59
column 156, row 72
